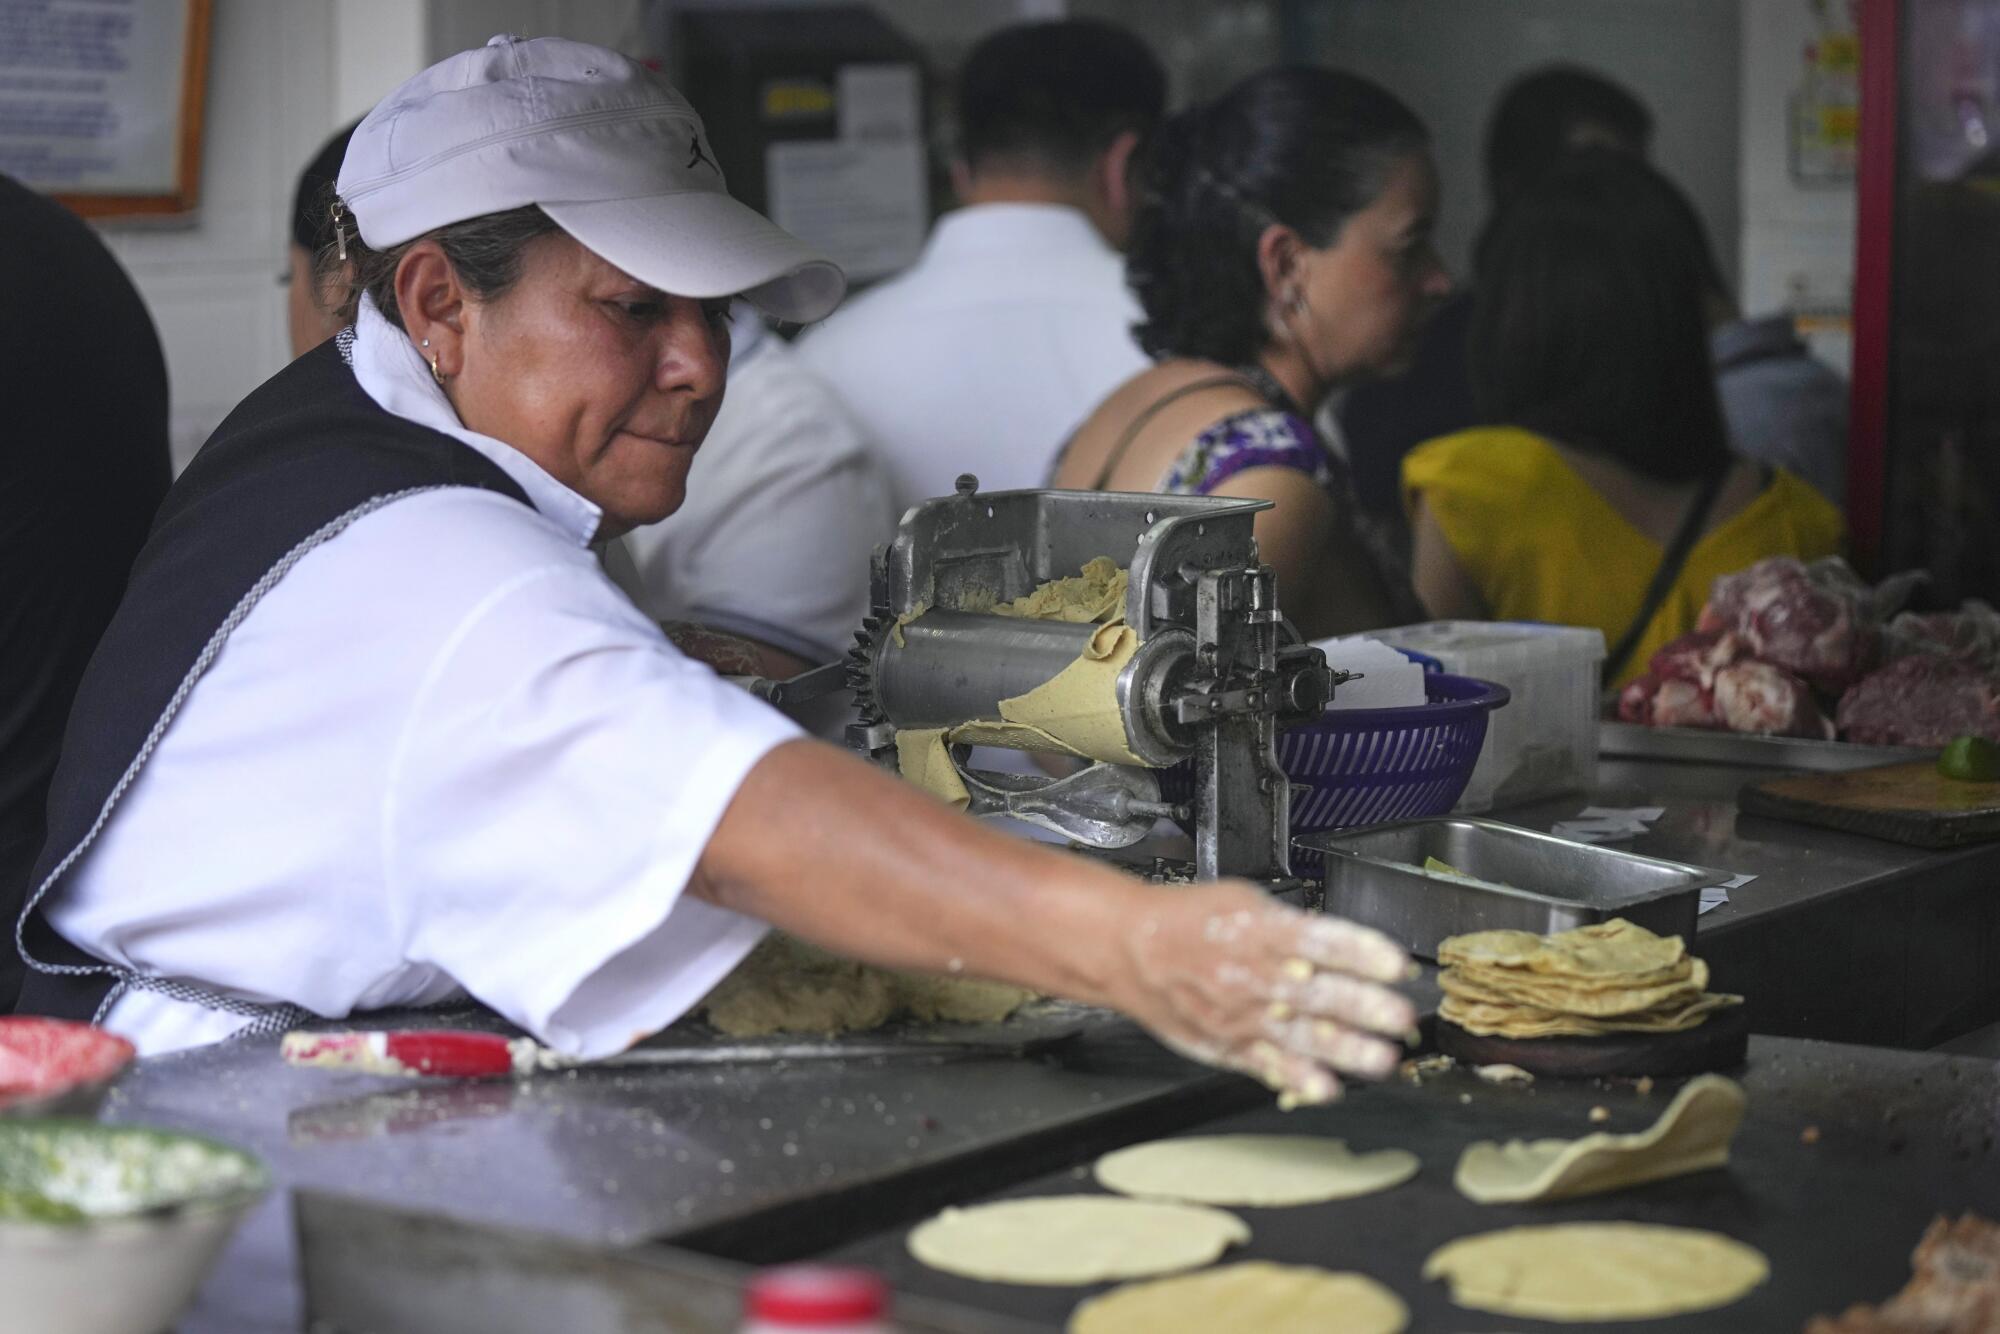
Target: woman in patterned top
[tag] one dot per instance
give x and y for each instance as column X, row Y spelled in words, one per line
column 1281, row 247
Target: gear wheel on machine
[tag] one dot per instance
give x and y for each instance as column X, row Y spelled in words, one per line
column 860, row 675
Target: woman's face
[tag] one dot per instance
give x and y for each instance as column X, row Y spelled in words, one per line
column 608, row 383
column 1368, row 294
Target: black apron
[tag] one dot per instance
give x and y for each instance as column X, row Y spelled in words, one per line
column 299, row 460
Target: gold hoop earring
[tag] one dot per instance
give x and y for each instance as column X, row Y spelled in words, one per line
column 436, row 374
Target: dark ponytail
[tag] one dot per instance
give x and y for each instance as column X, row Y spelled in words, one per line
column 1297, row 145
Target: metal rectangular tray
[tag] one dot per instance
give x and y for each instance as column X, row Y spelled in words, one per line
column 1513, row 878
column 1696, row 745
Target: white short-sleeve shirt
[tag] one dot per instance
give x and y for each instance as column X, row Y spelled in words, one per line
column 983, row 356
column 443, row 755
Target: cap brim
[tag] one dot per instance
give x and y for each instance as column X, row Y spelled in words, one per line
column 702, row 243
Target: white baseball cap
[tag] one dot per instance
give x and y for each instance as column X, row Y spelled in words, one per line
column 607, row 149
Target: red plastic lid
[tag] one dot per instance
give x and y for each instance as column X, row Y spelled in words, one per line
column 815, row 1294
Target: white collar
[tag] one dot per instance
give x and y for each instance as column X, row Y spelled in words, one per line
column 1015, row 227
column 397, row 377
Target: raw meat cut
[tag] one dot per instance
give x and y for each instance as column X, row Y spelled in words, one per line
column 1954, row 1287
column 1697, row 657
column 1971, row 633
column 1815, row 623
column 1768, row 701
column 1922, row 700
column 1658, row 703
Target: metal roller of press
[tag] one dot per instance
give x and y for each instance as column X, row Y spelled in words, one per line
column 1212, row 678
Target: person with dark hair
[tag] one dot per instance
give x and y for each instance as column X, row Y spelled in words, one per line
column 1553, row 111
column 86, row 462
column 372, row 728
column 1608, row 494
column 1282, row 247
column 1540, row 116
column 1015, row 321
column 310, row 314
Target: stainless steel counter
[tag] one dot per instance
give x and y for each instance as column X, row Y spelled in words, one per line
column 1839, row 936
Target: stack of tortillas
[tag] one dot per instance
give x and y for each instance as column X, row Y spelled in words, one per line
column 1608, row 977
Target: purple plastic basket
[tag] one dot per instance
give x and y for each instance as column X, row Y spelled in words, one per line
column 1366, row 766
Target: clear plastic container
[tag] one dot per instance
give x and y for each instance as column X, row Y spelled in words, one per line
column 1545, row 741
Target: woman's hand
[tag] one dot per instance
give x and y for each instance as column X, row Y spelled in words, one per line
column 1228, row 976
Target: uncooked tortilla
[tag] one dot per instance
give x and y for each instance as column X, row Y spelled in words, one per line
column 1071, row 1239
column 1693, row 1134
column 1252, row 1170
column 1267, row 1298
column 1597, row 1271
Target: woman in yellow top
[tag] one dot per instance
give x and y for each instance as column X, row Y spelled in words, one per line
column 1610, row 471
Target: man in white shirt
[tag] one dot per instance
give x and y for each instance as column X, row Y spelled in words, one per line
column 786, row 504
column 1015, row 322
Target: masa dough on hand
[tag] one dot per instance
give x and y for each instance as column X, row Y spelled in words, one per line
column 1267, row 1298
column 1252, row 1170
column 1070, row 1239
column 1693, row 1134
column 1597, row 1271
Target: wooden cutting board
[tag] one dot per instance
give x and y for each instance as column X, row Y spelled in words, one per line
column 1906, row 803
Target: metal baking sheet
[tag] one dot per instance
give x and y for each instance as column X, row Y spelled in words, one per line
column 1509, row 878
column 1696, row 745
column 1036, row 1026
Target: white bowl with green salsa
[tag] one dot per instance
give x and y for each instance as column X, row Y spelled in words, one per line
column 110, row 1229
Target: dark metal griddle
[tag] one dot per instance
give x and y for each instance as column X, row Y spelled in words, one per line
column 1902, row 1137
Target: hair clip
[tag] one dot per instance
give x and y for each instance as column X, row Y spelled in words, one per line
column 339, row 212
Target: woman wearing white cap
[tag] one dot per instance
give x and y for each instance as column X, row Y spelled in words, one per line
column 372, row 729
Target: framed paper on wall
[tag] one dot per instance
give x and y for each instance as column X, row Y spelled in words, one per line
column 101, row 102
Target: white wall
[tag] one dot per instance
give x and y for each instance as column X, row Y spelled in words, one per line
column 1450, row 58
column 283, row 74
column 1797, row 239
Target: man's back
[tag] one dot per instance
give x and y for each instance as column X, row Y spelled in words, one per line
column 86, row 464
column 1005, row 334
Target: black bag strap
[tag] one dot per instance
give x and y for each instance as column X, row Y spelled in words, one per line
column 1672, row 562
column 1152, row 410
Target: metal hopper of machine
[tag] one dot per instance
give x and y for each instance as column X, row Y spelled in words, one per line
column 1196, row 666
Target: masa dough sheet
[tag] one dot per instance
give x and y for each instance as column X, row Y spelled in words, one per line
column 923, row 757
column 1078, row 706
column 1075, row 712
column 1267, row 1298
column 1693, row 1134
column 1252, row 1170
column 1597, row 1271
column 1060, row 1240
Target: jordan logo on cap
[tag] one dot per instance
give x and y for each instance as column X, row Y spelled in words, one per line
column 697, row 155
